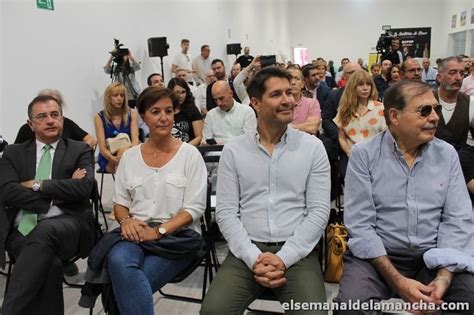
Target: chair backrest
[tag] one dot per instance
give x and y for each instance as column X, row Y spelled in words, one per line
column 208, row 241
column 211, row 153
column 207, row 217
column 96, row 205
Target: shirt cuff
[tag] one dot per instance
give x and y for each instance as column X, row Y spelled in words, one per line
column 121, row 201
column 367, row 248
column 288, row 256
column 196, row 215
column 250, row 255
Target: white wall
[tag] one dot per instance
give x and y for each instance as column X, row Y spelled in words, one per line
column 334, row 29
column 67, row 48
column 456, row 7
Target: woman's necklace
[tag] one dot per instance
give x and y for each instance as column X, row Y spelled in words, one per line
column 155, row 151
column 362, row 109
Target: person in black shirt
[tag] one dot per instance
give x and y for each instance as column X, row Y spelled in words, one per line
column 245, row 59
column 70, row 129
column 218, row 67
column 394, row 55
column 188, row 121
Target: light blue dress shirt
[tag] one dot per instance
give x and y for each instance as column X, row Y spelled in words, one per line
column 273, row 198
column 428, row 76
column 391, row 208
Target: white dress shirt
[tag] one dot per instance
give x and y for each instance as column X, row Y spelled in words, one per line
column 222, row 126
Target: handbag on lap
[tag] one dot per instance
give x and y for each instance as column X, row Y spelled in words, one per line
column 120, row 141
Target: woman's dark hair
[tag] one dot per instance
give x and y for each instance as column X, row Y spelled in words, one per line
column 189, row 100
column 148, row 80
column 389, row 72
column 151, row 95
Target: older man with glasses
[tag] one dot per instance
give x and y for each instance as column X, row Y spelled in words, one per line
column 45, row 187
column 411, row 70
column 408, row 211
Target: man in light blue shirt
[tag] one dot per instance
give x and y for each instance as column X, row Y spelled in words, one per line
column 428, row 74
column 272, row 205
column 404, row 196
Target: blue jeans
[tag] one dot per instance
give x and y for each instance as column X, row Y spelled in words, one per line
column 136, row 276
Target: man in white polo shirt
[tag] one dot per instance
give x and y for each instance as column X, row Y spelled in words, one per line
column 183, row 61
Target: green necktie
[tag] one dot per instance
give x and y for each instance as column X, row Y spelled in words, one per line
column 29, row 219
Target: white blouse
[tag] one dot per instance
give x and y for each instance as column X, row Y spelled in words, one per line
column 157, row 194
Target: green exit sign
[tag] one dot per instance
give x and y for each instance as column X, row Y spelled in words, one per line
column 45, row 4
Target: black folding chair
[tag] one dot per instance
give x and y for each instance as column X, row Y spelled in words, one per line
column 101, row 207
column 98, row 234
column 205, row 257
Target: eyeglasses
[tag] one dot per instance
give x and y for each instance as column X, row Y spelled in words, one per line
column 43, row 116
column 414, row 70
column 425, row 110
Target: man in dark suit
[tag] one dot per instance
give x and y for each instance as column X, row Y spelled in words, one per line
column 45, row 187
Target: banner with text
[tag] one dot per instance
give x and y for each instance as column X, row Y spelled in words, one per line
column 416, row 41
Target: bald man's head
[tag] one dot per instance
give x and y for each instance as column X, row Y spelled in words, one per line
column 222, row 95
column 210, row 77
column 349, row 69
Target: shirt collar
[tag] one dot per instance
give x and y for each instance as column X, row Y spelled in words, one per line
column 40, row 145
column 370, row 105
column 285, row 138
column 230, row 111
column 299, row 101
column 393, row 146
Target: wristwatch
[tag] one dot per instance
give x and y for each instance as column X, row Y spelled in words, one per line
column 162, row 231
column 36, row 185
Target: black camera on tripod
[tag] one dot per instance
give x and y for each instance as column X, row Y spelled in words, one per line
column 119, row 53
column 384, row 43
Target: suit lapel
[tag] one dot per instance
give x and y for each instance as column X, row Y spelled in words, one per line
column 58, row 157
column 441, row 121
column 31, row 160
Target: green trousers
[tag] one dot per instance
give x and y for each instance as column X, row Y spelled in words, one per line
column 234, row 287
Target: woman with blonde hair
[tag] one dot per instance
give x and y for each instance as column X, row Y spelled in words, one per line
column 115, row 118
column 360, row 116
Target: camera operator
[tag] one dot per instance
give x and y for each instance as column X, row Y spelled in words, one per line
column 394, row 54
column 122, row 66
